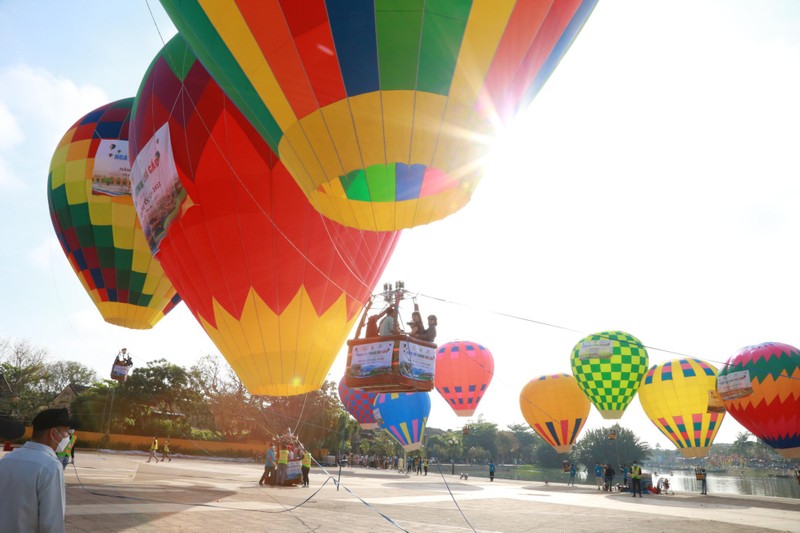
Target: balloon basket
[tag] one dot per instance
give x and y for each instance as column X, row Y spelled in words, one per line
column 396, row 363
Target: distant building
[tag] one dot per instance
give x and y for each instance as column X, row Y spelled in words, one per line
column 66, row 397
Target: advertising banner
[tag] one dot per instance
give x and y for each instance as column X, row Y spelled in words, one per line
column 599, row 349
column 417, row 361
column 372, row 359
column 111, row 175
column 734, row 385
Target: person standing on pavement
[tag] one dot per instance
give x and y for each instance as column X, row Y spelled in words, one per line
column 572, row 472
column 491, row 470
column 68, row 453
column 153, row 449
column 598, row 476
column 33, row 496
column 701, row 475
column 283, row 464
column 269, row 466
column 636, row 478
column 165, row 452
column 305, row 466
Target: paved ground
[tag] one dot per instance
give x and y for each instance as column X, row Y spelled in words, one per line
column 109, row 492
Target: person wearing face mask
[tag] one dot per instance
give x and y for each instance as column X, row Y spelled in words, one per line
column 32, row 478
column 68, row 453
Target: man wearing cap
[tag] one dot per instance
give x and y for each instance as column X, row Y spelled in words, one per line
column 32, row 478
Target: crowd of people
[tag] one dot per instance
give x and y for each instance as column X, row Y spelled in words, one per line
column 276, row 463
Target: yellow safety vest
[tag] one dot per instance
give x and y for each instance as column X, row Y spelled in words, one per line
column 154, row 446
column 307, row 460
column 283, row 457
column 636, row 472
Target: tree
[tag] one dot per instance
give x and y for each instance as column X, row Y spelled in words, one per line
column 527, row 442
column 23, row 367
column 596, row 447
column 157, row 399
column 483, row 435
column 59, row 374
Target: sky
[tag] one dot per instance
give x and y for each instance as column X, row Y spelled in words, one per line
column 651, row 187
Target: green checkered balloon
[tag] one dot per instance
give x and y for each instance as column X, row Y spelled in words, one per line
column 609, row 367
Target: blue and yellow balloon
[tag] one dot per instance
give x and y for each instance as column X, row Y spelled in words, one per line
column 404, row 416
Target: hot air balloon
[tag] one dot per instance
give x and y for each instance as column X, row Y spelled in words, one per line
column 760, row 387
column 359, row 404
column 556, row 409
column 609, row 367
column 675, row 396
column 89, row 194
column 464, row 370
column 276, row 286
column 381, row 113
column 404, row 416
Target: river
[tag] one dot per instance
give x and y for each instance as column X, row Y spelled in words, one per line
column 734, row 481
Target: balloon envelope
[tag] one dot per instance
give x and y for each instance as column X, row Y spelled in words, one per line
column 675, row 396
column 464, row 371
column 89, row 194
column 381, row 110
column 609, row 367
column 359, row 404
column 404, row 416
column 760, row 387
column 556, row 408
column 275, row 285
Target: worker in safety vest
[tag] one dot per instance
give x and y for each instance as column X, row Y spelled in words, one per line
column 69, row 451
column 153, row 450
column 283, row 462
column 636, row 477
column 305, row 466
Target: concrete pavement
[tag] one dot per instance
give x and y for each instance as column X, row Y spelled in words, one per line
column 121, row 492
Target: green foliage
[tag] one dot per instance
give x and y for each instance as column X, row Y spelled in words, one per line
column 596, row 447
column 482, row 436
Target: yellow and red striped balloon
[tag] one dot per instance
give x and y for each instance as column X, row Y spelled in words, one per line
column 556, row 408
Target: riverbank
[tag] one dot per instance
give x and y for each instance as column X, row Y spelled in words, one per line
column 115, row 492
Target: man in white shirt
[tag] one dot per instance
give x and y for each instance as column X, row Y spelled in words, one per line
column 32, row 478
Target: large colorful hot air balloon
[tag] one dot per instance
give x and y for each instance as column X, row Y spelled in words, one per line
column 89, row 194
column 381, row 110
column 675, row 396
column 403, row 415
column 556, row 408
column 359, row 404
column 464, row 370
column 760, row 387
column 609, row 367
column 275, row 285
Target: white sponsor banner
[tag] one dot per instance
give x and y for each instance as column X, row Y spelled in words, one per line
column 734, row 385
column 111, row 175
column 417, row 361
column 157, row 190
column 293, row 472
column 372, row 359
column 599, row 349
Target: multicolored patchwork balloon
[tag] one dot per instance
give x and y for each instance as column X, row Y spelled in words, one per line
column 275, row 285
column 403, row 415
column 675, row 396
column 359, row 404
column 464, row 371
column 381, row 109
column 89, row 194
column 609, row 367
column 760, row 387
column 556, row 408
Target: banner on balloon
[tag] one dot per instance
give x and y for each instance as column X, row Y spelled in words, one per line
column 372, row 359
column 598, row 349
column 111, row 175
column 734, row 385
column 157, row 190
column 715, row 404
column 417, row 361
